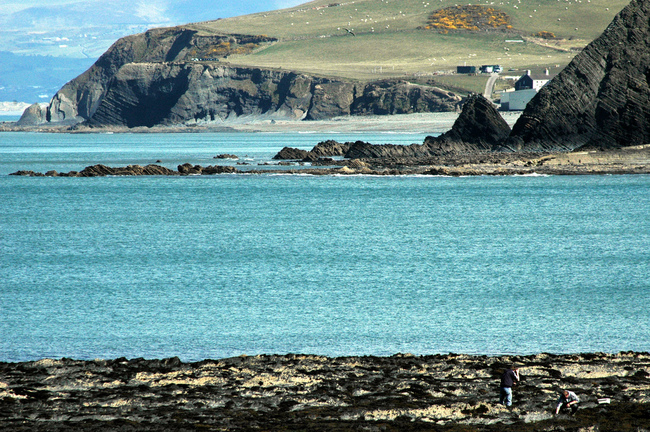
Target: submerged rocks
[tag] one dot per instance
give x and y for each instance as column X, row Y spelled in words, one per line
column 100, row 170
column 601, row 99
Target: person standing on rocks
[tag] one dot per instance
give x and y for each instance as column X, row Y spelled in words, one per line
column 567, row 401
column 508, row 380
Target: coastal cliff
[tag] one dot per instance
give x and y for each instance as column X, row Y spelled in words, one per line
column 156, row 79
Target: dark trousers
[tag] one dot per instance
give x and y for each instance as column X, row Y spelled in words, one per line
column 566, row 408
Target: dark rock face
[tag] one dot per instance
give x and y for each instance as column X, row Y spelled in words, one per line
column 150, row 79
column 601, row 99
column 401, row 97
column 150, row 94
column 479, row 127
column 403, row 392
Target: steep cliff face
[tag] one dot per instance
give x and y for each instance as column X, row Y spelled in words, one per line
column 402, row 97
column 175, row 76
column 79, row 99
column 601, row 99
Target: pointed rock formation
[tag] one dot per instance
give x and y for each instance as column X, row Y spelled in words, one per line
column 479, row 127
column 601, row 100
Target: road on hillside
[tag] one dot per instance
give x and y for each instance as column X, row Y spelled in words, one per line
column 490, row 85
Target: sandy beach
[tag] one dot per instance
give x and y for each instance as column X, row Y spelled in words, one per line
column 424, row 123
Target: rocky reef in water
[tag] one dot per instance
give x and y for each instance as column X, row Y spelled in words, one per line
column 478, row 128
column 313, row 393
column 100, row 170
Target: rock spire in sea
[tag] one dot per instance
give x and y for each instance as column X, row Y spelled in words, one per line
column 601, row 99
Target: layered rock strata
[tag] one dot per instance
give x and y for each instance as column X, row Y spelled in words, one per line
column 312, row 393
column 601, row 99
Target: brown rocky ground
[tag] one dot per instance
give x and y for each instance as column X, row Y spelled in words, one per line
column 312, row 393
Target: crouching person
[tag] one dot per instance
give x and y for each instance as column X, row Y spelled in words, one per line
column 568, row 401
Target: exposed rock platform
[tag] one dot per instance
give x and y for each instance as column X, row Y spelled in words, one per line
column 312, row 393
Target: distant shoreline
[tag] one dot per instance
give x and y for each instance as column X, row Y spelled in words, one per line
column 423, row 123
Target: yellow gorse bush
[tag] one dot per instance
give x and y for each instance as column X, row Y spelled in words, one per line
column 469, row 17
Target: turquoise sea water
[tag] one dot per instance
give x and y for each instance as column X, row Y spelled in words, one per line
column 216, row 266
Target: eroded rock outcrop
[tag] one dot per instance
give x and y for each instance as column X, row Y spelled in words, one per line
column 35, row 114
column 324, row 149
column 601, row 99
column 478, row 128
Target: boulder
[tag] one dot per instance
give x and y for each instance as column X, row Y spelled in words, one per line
column 189, row 169
column 290, row 153
column 330, row 148
column 34, row 115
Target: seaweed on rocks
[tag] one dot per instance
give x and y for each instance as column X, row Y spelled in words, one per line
column 314, row 393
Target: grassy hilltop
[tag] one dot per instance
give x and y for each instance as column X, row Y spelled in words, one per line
column 398, row 38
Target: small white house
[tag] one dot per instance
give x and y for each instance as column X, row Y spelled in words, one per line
column 530, row 81
column 525, row 89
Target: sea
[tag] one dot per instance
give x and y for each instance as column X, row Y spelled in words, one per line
column 243, row 264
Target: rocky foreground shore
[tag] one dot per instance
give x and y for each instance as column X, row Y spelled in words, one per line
column 312, row 393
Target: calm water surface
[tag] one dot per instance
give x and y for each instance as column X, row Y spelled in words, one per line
column 215, row 266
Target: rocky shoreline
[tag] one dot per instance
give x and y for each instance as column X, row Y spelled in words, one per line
column 403, row 392
column 628, row 160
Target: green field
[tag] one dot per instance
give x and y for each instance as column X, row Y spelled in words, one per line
column 389, row 40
